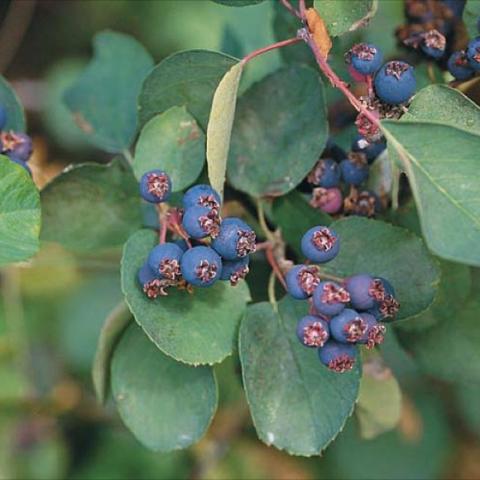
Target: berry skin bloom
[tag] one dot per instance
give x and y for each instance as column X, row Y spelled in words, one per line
column 235, row 239
column 312, row 331
column 354, row 169
column 155, row 186
column 328, row 200
column 433, row 44
column 201, row 266
column 371, row 149
column 360, row 287
column 473, row 54
column 459, row 66
column 395, row 82
column 338, row 357
column 201, row 222
column 330, row 298
column 301, row 281
column 201, row 196
column 320, row 244
column 365, row 58
column 326, row 173
column 164, row 260
column 16, row 145
column 3, row 117
column 235, row 270
column 375, row 332
column 348, row 326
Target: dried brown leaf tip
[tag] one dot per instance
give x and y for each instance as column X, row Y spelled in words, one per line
column 319, row 32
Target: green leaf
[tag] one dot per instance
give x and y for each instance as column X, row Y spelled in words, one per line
column 379, row 405
column 238, row 3
column 346, row 16
column 264, row 161
column 112, row 330
column 165, row 404
column 103, row 99
column 91, row 206
column 295, row 216
column 297, row 404
column 13, row 107
column 470, row 17
column 220, row 126
column 380, row 249
column 198, row 328
column 186, row 78
column 19, row 213
column 450, row 349
column 171, row 141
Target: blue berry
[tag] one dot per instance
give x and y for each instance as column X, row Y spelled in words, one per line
column 433, row 44
column 301, row 281
column 348, row 326
column 360, row 287
column 459, row 66
column 3, row 117
column 395, row 82
column 235, row 270
column 21, row 163
column 473, row 54
column 164, row 260
column 201, row 222
column 16, row 144
column 330, row 298
column 354, row 169
column 201, row 266
column 155, row 186
column 338, row 357
column 371, row 149
column 332, row 150
column 326, row 173
column 320, row 244
column 146, row 275
column 235, row 239
column 312, row 331
column 375, row 332
column 365, row 58
column 201, row 196
column 182, row 244
column 385, row 306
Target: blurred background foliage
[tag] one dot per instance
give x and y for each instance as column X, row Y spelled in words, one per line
column 52, row 308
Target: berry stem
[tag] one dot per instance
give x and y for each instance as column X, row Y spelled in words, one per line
column 263, row 222
column 271, row 292
column 273, row 46
column 163, row 229
column 327, row 276
column 290, row 8
column 275, row 267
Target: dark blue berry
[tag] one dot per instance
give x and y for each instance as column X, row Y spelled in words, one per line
column 201, row 266
column 164, row 260
column 375, row 333
column 385, row 306
column 332, row 150
column 348, row 326
column 235, row 239
column 320, row 244
column 330, row 298
column 456, row 6
column 354, row 169
column 146, row 275
column 16, row 145
column 365, row 58
column 395, row 82
column 312, row 331
column 473, row 54
column 201, row 222
column 459, row 66
column 360, row 287
column 201, row 196
column 371, row 149
column 301, row 281
column 433, row 44
column 3, row 117
column 338, row 357
column 21, row 163
column 182, row 244
column 326, row 173
column 155, row 186
column 235, row 270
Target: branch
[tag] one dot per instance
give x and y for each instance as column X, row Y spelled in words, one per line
column 260, row 51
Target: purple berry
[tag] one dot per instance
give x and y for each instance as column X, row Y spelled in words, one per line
column 301, row 281
column 235, row 270
column 473, row 54
column 375, row 332
column 312, row 331
column 328, row 200
column 16, row 144
column 201, row 266
column 338, row 357
column 155, row 186
column 348, row 326
column 164, row 260
column 201, row 196
column 330, row 298
column 235, row 239
column 320, row 244
column 201, row 222
column 459, row 66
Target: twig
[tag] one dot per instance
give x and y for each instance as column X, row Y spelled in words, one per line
column 260, row 51
column 263, row 222
column 290, row 8
column 275, row 267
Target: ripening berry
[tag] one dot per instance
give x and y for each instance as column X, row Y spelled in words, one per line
column 338, row 357
column 328, row 200
column 473, row 54
column 354, row 169
column 201, row 266
column 459, row 66
column 164, row 260
column 201, row 196
column 235, row 270
column 312, row 331
column 433, row 44
column 348, row 326
column 301, row 281
column 364, row 58
column 326, row 173
column 330, row 298
column 235, row 239
column 155, row 186
column 16, row 145
column 395, row 82
column 320, row 244
column 386, row 305
column 375, row 332
column 201, row 222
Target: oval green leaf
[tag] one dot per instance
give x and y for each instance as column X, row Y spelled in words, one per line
column 471, row 13
column 198, row 328
column 91, row 206
column 186, row 78
column 165, row 404
column 19, row 213
column 297, row 404
column 171, row 141
column 13, row 107
column 103, row 100
column 280, row 129
column 220, row 126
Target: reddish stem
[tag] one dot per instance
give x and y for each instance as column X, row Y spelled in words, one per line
column 290, row 8
column 260, row 51
column 163, row 229
column 273, row 263
column 302, row 8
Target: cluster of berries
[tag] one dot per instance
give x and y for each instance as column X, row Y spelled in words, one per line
column 342, row 314
column 209, row 249
column 17, row 146
column 464, row 64
column 337, row 179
